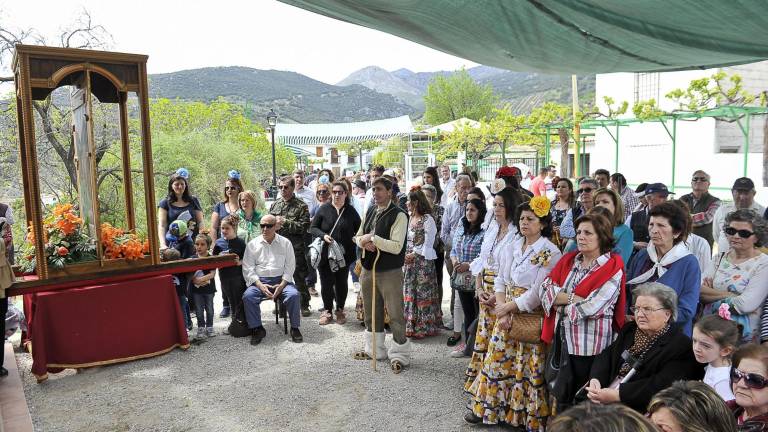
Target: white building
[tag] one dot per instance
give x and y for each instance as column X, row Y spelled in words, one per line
column 646, row 150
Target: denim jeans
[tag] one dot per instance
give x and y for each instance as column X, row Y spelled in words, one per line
column 203, row 302
column 253, row 297
column 184, row 304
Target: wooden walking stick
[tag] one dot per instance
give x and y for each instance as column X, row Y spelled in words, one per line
column 373, row 310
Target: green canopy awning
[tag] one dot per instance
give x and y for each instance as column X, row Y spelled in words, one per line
column 570, row 36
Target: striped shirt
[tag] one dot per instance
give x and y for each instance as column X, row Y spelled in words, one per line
column 466, row 247
column 588, row 323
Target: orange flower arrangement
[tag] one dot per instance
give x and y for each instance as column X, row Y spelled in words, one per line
column 65, row 242
column 118, row 243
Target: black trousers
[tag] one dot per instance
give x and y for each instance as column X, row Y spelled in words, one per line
column 581, row 366
column 439, row 261
column 3, row 313
column 471, row 308
column 233, row 288
column 333, row 286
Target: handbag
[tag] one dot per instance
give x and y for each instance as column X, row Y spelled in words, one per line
column 462, row 281
column 238, row 327
column 557, row 369
column 526, row 326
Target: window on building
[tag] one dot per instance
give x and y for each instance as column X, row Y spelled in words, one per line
column 351, row 159
column 584, row 168
column 646, row 86
column 319, row 151
column 334, row 156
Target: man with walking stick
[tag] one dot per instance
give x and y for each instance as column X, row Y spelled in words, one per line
column 381, row 238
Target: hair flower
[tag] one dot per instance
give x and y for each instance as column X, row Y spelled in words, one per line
column 540, row 206
column 183, row 172
column 234, row 174
column 724, row 311
column 415, row 188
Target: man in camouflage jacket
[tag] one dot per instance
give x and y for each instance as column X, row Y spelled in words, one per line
column 292, row 223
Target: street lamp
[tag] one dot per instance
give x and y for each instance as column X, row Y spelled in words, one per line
column 272, row 122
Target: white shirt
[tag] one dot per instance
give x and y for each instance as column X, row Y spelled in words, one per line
column 427, row 248
column 264, row 259
column 305, row 194
column 719, row 378
column 516, row 269
column 717, row 224
column 358, row 202
column 701, row 250
column 491, row 250
column 447, row 187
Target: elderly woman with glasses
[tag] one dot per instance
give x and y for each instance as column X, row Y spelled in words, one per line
column 649, row 354
column 749, row 379
column 739, row 278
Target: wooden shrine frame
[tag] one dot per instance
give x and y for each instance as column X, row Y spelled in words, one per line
column 110, row 76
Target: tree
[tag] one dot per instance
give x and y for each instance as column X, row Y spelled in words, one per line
column 475, row 141
column 509, row 128
column 455, row 96
column 357, row 148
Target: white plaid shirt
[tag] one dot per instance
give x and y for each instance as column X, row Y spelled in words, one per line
column 588, row 323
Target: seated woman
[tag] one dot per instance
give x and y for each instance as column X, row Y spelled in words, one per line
column 648, row 355
column 749, row 381
column 690, row 406
column 739, row 278
column 668, row 261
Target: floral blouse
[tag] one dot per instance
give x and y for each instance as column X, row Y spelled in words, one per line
column 421, row 238
column 748, row 280
column 526, row 269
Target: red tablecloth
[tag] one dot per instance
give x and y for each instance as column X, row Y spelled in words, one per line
column 103, row 324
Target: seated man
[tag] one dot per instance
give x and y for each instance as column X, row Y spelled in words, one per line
column 268, row 266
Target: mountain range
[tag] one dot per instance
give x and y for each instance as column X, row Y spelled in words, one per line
column 368, row 94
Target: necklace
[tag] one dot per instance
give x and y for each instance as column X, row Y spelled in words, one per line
column 500, row 235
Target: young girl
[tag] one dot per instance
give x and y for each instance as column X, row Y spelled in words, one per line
column 203, row 289
column 232, row 281
column 715, row 338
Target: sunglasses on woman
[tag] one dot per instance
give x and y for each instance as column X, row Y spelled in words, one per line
column 731, row 231
column 322, row 192
column 753, row 381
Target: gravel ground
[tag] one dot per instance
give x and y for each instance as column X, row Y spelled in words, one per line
column 224, row 383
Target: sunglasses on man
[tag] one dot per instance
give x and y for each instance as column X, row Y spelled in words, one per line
column 751, row 380
column 699, row 179
column 265, row 226
column 731, row 231
column 585, row 190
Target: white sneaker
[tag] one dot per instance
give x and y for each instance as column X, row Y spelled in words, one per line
column 356, row 287
column 458, row 352
column 200, row 332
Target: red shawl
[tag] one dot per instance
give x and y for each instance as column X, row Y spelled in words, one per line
column 585, row 287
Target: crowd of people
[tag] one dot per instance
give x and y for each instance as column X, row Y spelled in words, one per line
column 569, row 299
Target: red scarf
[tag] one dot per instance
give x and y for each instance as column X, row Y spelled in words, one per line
column 585, row 288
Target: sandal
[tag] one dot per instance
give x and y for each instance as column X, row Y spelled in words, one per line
column 453, row 340
column 361, row 355
column 325, row 318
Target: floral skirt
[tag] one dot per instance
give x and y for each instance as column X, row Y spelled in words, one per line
column 421, row 300
column 485, row 323
column 510, row 387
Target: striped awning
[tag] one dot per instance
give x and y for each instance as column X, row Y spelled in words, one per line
column 297, row 151
column 293, row 135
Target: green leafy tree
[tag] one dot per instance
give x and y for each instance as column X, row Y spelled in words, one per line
column 455, row 96
column 510, row 129
column 476, row 141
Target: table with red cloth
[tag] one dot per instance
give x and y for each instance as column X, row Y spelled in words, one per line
column 103, row 324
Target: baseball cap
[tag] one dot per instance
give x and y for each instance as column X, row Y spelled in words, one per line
column 657, row 188
column 743, row 183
